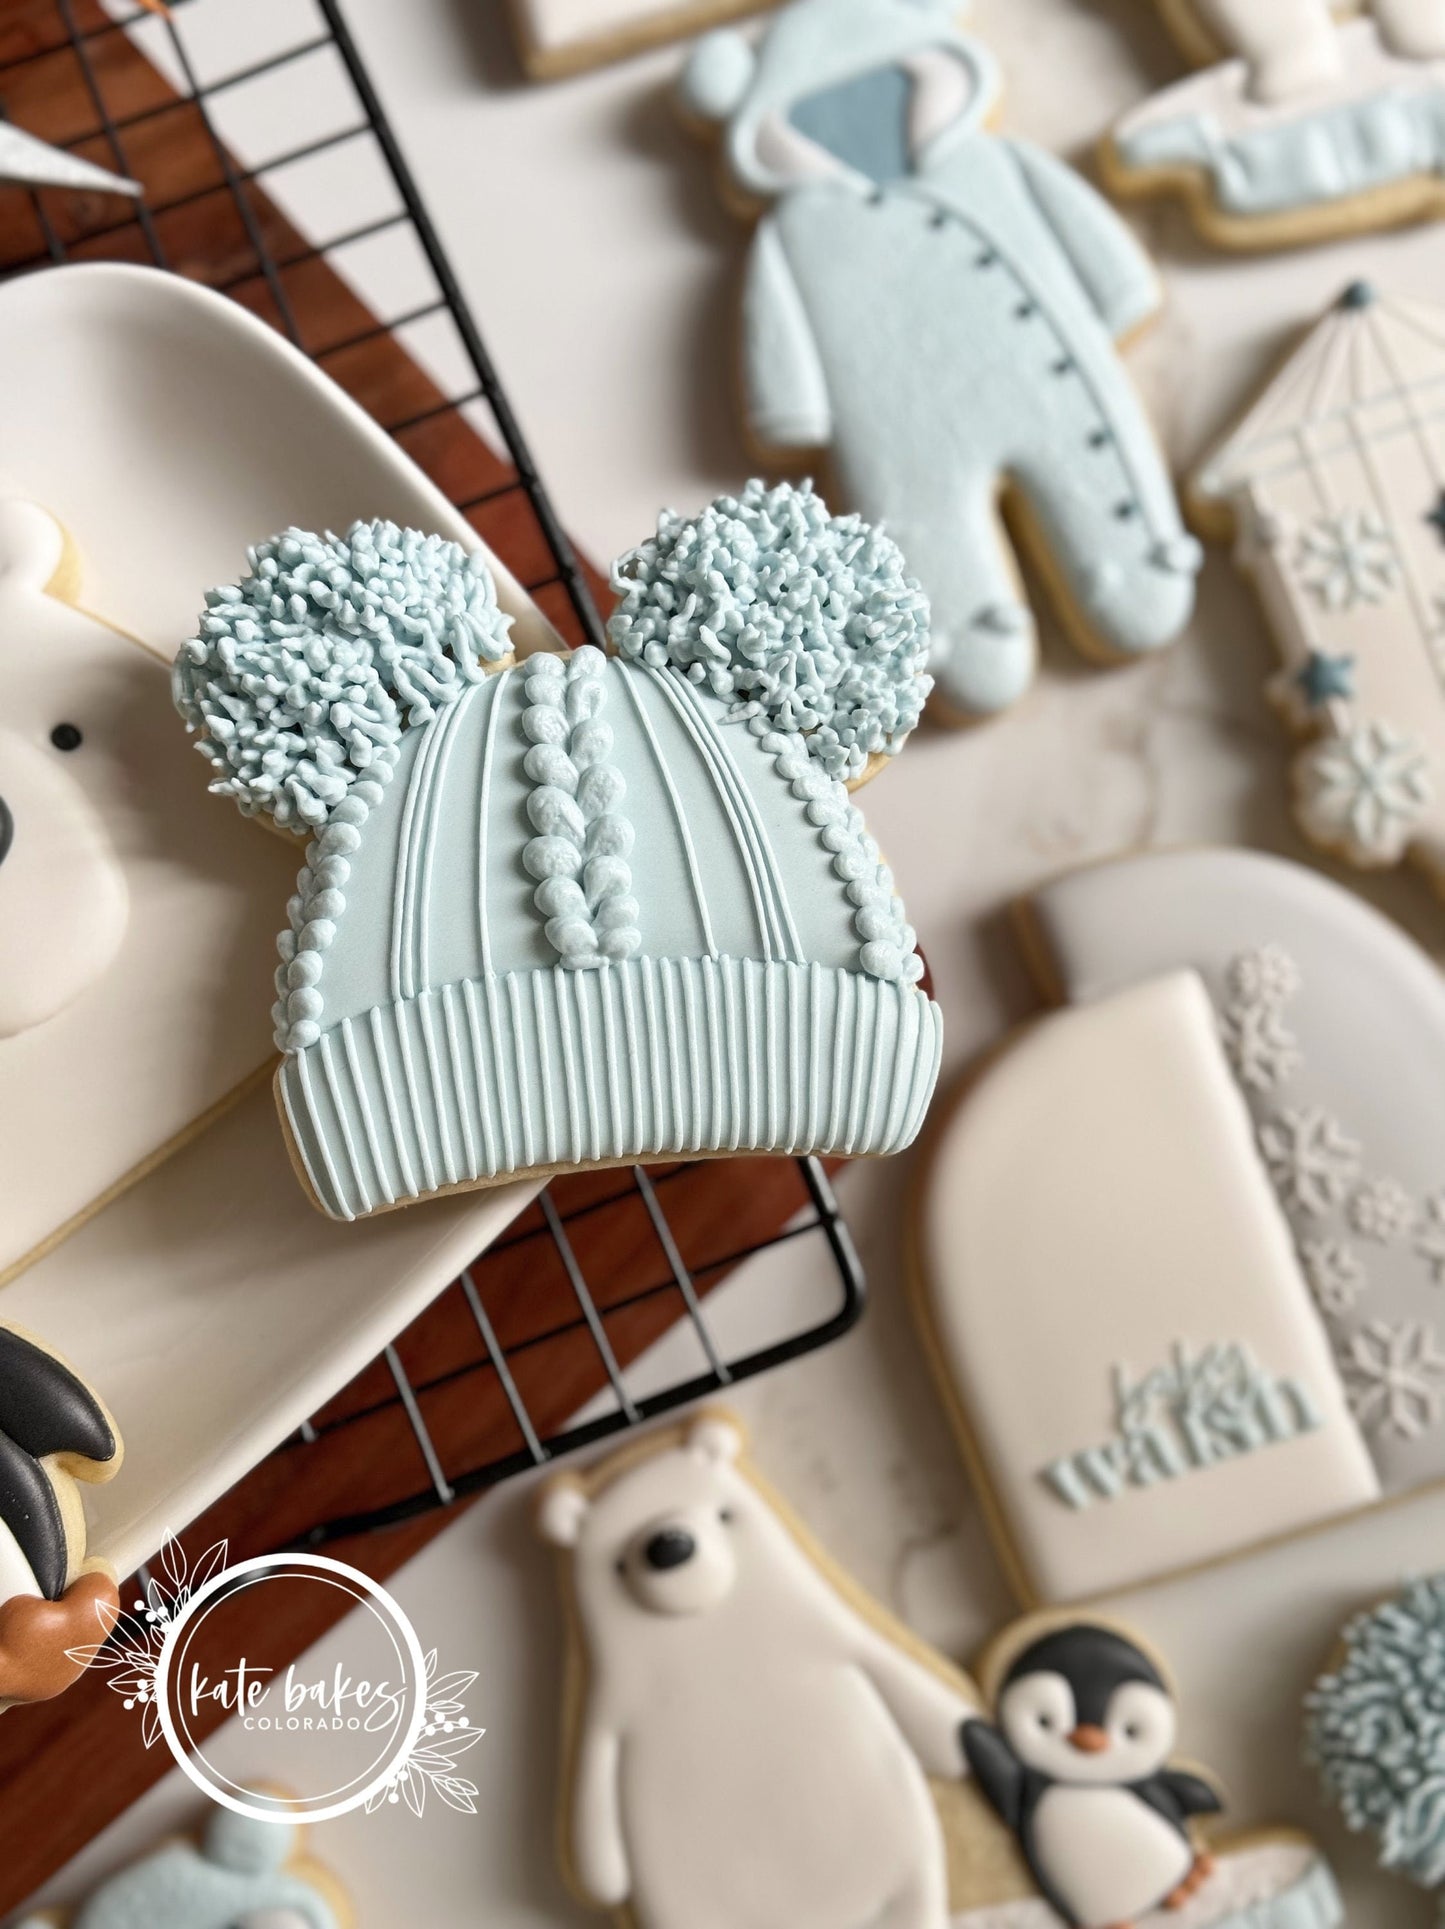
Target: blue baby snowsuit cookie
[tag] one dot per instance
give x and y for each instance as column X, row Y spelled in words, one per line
column 938, row 308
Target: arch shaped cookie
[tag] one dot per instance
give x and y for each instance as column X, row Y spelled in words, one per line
column 1332, row 490
column 1302, row 125
column 1198, row 1213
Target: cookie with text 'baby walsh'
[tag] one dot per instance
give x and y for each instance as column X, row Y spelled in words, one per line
column 1179, row 1245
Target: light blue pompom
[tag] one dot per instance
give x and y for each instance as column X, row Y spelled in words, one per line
column 806, row 621
column 303, row 676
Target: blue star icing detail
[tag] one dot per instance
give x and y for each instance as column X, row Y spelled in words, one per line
column 1436, row 517
column 1324, row 678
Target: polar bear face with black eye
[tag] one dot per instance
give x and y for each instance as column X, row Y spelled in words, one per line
column 63, row 896
column 669, row 1538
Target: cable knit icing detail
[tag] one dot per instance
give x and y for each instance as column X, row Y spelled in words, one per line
column 579, row 855
column 314, row 911
column 304, row 675
column 807, row 621
column 1376, row 1730
column 888, row 943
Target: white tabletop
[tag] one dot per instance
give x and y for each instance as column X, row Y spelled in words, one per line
column 587, row 232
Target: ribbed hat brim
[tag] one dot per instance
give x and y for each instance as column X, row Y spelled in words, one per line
column 532, row 1071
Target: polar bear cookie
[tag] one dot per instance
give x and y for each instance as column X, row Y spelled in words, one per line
column 54, row 1434
column 724, row 1675
column 860, row 130
column 1302, row 127
column 752, row 1743
column 564, row 36
column 1333, row 495
column 240, row 1873
column 591, row 908
column 131, row 922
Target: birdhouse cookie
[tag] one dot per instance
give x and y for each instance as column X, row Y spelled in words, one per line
column 592, row 908
column 133, row 917
column 1332, row 489
column 54, row 1601
column 1302, row 126
column 1228, row 1319
column 558, row 37
column 859, row 134
column 239, row 1873
column 699, row 1606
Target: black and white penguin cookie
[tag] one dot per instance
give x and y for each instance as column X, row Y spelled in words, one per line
column 1076, row 1761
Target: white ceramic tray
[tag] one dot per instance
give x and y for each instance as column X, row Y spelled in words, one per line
column 167, row 428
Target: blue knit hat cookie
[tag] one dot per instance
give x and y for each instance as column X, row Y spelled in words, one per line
column 589, row 908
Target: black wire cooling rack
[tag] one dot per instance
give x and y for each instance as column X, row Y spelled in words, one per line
column 622, row 1271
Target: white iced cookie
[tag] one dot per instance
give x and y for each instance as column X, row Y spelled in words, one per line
column 131, row 914
column 1179, row 1254
column 1302, row 125
column 1332, row 489
column 725, row 1675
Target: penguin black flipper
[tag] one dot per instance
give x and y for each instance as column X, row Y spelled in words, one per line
column 1176, row 1795
column 1000, row 1772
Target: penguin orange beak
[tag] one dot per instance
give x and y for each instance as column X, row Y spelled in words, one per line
column 1089, row 1740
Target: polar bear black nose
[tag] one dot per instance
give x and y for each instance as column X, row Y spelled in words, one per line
column 7, row 830
column 673, row 1547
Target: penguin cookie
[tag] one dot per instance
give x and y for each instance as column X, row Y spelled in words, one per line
column 1076, row 1763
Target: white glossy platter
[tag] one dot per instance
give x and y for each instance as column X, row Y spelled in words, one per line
column 167, row 428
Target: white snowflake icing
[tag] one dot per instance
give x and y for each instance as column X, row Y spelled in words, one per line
column 1381, row 1209
column 1260, row 1046
column 1430, row 1237
column 1363, row 792
column 1348, row 559
column 1312, row 1162
column 1335, row 1275
column 1395, row 1378
column 1268, row 975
